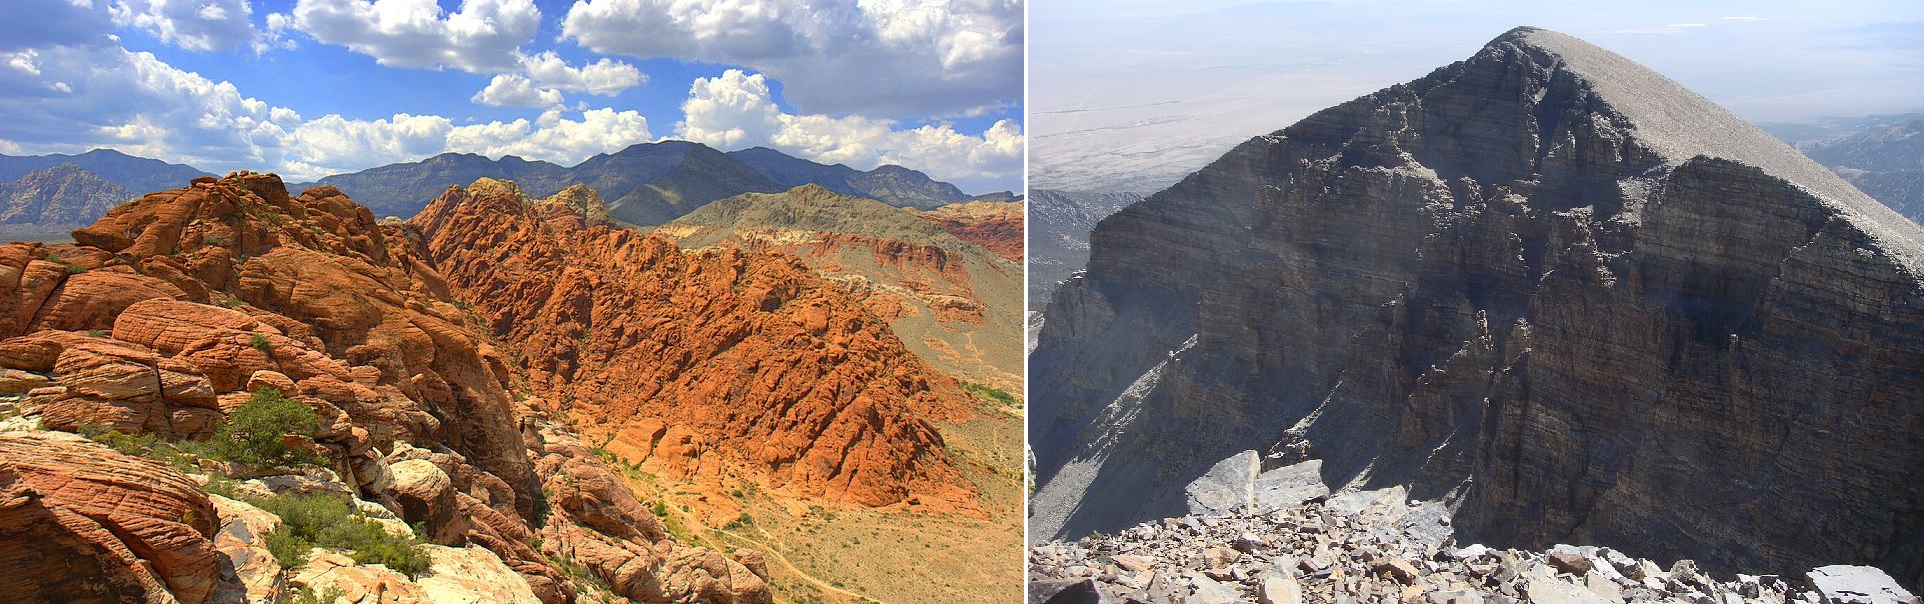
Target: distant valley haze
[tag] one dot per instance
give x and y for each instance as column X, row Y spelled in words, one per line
column 1131, row 95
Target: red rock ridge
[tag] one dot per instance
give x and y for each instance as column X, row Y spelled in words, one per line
column 994, row 225
column 699, row 359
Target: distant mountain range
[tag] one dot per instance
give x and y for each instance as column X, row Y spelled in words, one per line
column 1060, row 222
column 43, row 197
column 136, row 174
column 49, row 202
column 646, row 184
column 1884, row 161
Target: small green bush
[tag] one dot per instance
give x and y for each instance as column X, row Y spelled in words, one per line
column 307, row 595
column 990, row 394
column 260, row 342
column 97, row 333
column 220, row 485
column 308, row 521
column 252, row 434
column 139, row 445
column 541, row 509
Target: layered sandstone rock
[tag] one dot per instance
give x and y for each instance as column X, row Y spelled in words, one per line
column 738, row 357
column 80, row 522
column 954, row 303
column 1588, row 304
column 173, row 308
column 994, row 225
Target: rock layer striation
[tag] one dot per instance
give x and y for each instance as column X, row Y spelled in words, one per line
column 696, row 362
column 1575, row 299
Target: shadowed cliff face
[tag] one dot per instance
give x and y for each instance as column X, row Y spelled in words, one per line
column 698, row 362
column 1579, row 300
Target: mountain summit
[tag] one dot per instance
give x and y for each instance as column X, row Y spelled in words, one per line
column 1575, row 299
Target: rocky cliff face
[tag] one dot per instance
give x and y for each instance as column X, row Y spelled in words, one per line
column 1578, row 301
column 171, row 309
column 698, row 362
column 953, row 303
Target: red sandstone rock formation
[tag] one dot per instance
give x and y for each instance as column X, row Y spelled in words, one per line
column 697, row 360
column 996, row 225
column 173, row 307
column 955, row 304
column 80, row 522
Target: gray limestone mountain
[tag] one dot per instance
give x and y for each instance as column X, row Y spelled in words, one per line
column 955, row 304
column 1886, row 162
column 1571, row 298
column 890, row 184
column 402, row 189
column 647, row 184
column 136, row 174
column 64, row 196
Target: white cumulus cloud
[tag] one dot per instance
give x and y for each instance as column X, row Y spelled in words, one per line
column 604, row 77
column 190, row 24
column 481, row 36
column 881, row 57
column 540, row 80
column 737, row 110
column 139, row 104
column 513, row 90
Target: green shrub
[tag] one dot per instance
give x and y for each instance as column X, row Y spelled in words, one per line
column 990, row 394
column 322, row 520
column 307, row 595
column 72, row 269
column 260, row 342
column 139, row 445
column 288, row 548
column 252, row 434
column 541, row 509
column 220, row 485
column 97, row 333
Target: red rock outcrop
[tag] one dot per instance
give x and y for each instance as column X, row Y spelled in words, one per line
column 953, row 303
column 173, row 307
column 737, row 357
column 81, row 522
column 995, row 225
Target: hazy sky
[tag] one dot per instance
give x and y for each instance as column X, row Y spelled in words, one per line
column 310, row 87
column 1125, row 92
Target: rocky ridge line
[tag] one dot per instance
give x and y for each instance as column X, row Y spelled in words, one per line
column 699, row 364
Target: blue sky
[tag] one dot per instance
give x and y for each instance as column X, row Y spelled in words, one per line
column 312, row 87
column 1135, row 93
